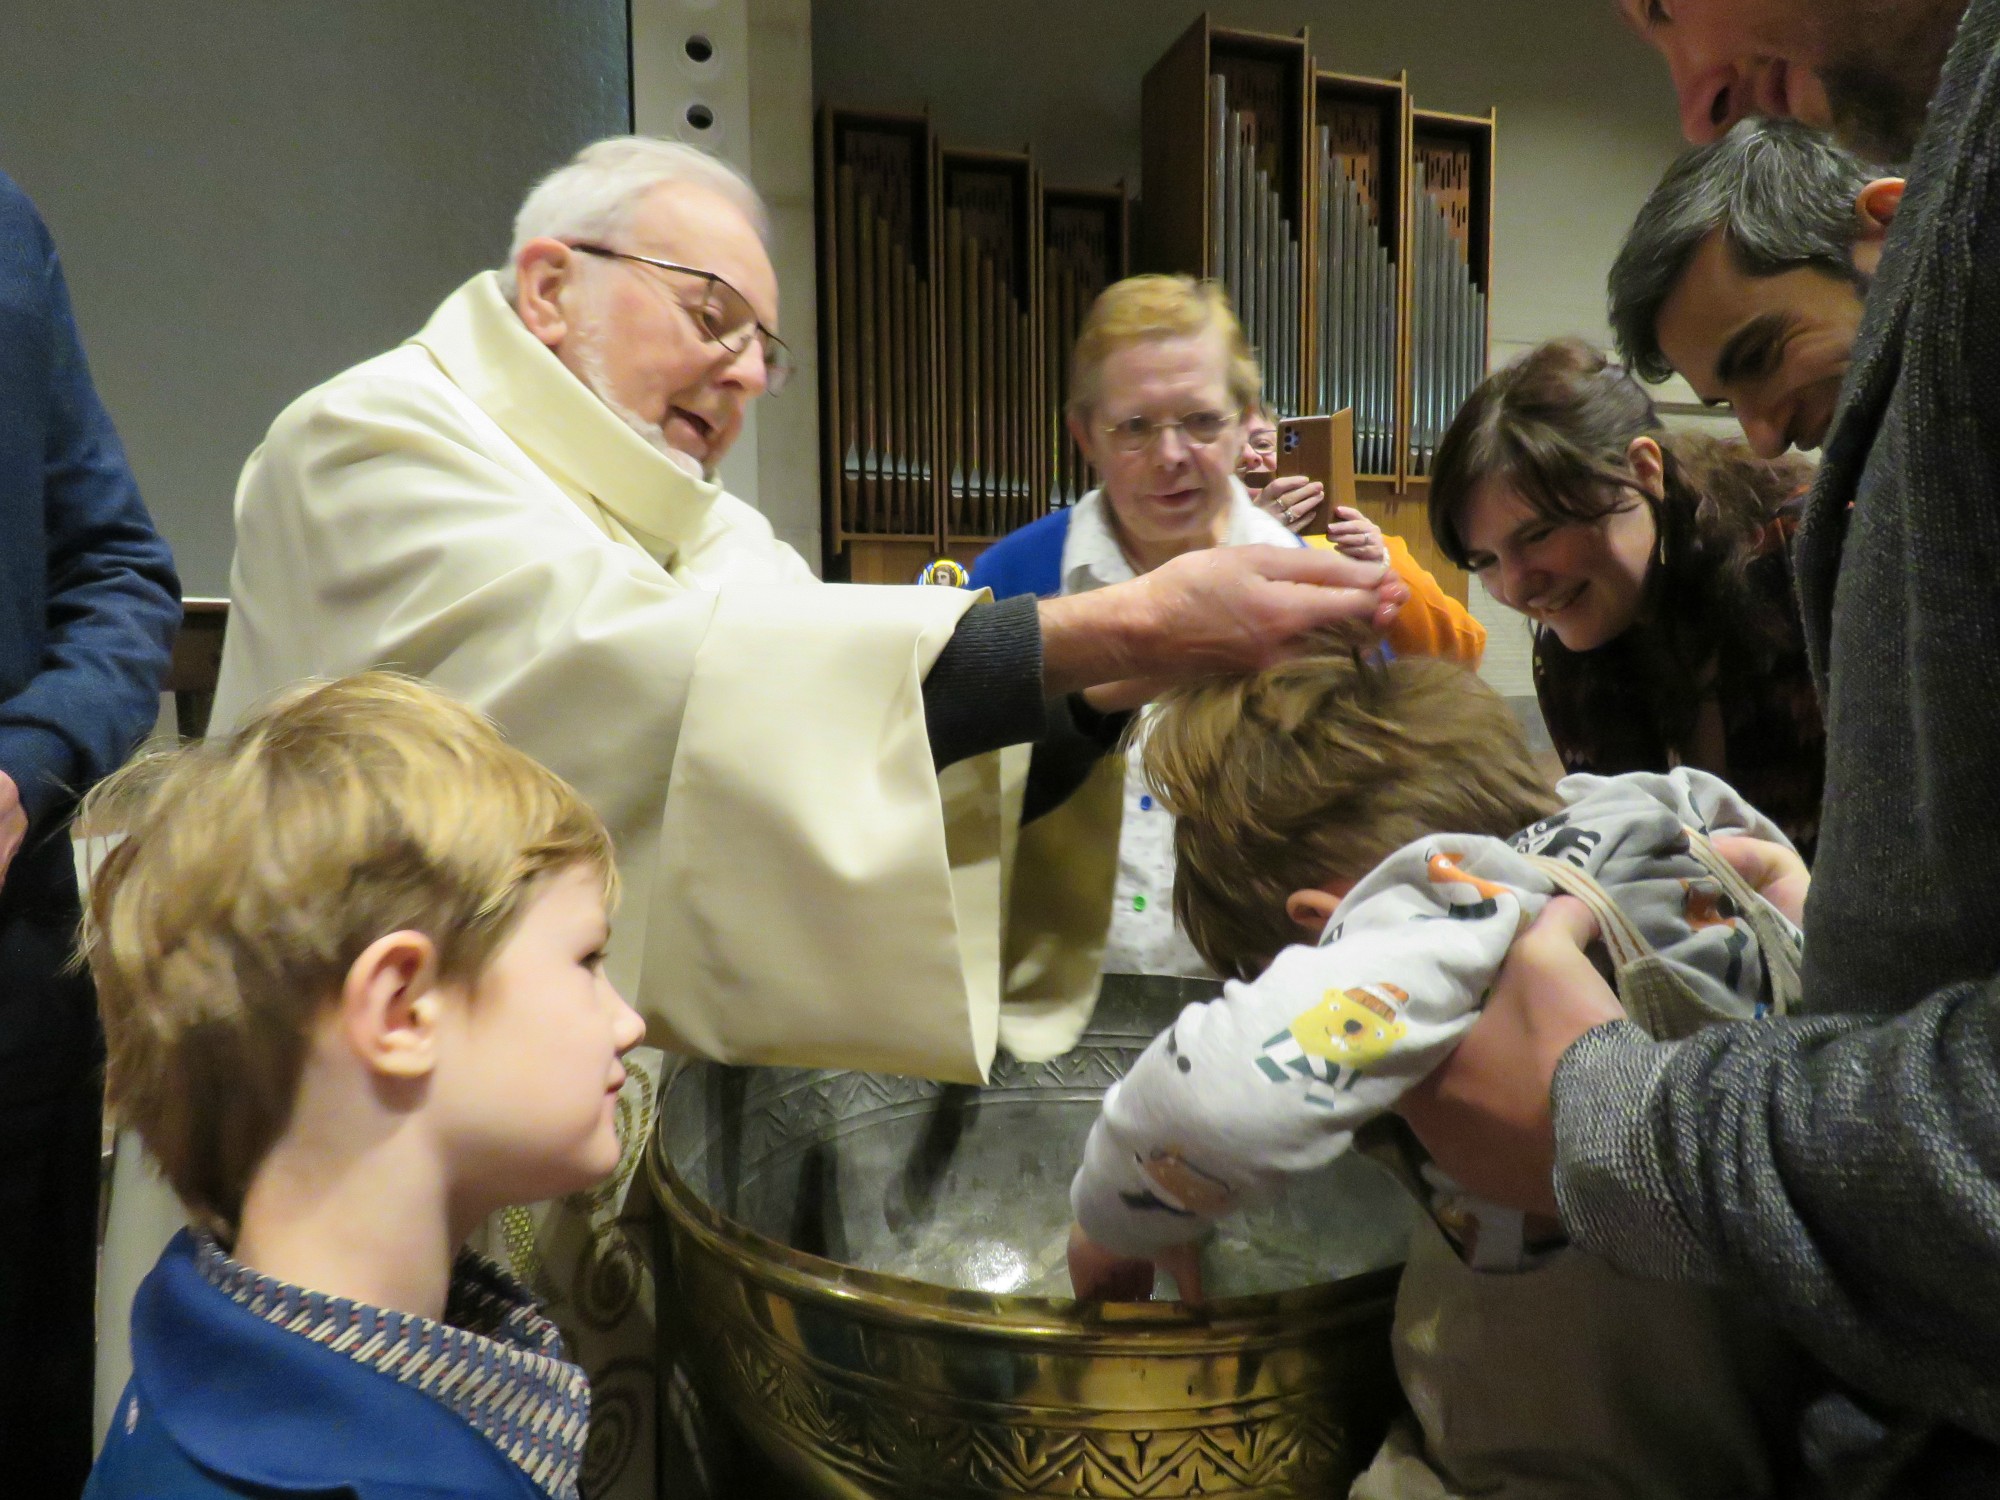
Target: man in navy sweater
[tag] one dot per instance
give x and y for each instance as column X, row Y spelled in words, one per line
column 88, row 608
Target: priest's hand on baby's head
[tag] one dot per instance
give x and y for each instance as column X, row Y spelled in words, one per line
column 1240, row 609
column 1215, row 612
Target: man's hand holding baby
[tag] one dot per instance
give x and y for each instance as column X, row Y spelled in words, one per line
column 1484, row 1113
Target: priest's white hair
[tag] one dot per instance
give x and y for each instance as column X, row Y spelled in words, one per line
column 593, row 194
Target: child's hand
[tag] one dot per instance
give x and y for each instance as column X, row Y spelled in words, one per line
column 1771, row 870
column 1183, row 1263
column 1100, row 1275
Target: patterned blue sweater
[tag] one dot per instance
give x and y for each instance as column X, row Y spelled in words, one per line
column 242, row 1385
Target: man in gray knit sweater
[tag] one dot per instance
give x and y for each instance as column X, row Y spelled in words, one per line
column 1843, row 1169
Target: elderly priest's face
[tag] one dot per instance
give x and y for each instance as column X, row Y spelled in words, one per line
column 642, row 336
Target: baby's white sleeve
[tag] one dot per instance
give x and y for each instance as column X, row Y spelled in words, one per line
column 1274, row 1077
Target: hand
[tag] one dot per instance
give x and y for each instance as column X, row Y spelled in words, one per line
column 1100, row 1275
column 1218, row 610
column 1183, row 1263
column 1771, row 870
column 1293, row 499
column 1483, row 1113
column 1355, row 535
column 1124, row 697
column 13, row 823
column 1240, row 609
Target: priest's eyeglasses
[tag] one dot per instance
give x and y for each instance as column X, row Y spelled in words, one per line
column 723, row 315
column 1199, row 429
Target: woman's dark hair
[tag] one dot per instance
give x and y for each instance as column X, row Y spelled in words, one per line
column 1555, row 428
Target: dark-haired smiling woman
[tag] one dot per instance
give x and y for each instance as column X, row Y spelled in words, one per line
column 1656, row 568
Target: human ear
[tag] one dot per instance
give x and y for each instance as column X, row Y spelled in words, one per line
column 1311, row 909
column 541, row 272
column 1648, row 467
column 1875, row 206
column 1083, row 433
column 390, row 1006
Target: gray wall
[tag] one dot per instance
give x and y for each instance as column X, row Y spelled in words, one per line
column 1587, row 123
column 250, row 195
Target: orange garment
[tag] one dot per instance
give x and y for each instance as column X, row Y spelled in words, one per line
column 1432, row 623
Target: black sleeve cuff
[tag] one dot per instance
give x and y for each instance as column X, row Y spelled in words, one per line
column 1102, row 730
column 985, row 688
column 1078, row 737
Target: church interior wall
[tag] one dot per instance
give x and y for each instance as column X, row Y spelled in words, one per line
column 251, row 197
column 275, row 191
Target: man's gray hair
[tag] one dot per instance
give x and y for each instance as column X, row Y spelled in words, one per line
column 1784, row 195
column 593, row 194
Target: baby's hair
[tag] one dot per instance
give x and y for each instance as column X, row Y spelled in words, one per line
column 1315, row 771
column 248, row 873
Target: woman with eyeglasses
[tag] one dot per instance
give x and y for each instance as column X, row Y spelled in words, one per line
column 1656, row 569
column 1163, row 392
column 1160, row 383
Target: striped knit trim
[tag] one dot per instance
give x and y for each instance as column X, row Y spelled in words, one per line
column 495, row 1362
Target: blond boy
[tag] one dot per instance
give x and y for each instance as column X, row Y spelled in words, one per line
column 1362, row 843
column 350, row 960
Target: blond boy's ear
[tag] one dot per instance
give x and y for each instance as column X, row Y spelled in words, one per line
column 390, row 1006
column 1311, row 909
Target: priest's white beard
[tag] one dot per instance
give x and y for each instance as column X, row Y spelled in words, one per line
column 590, row 367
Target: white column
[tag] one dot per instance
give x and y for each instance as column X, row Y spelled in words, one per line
column 735, row 76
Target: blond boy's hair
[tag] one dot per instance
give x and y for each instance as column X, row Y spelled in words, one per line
column 1317, row 770
column 250, row 872
column 1158, row 307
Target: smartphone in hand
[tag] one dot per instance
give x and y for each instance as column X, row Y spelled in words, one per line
column 1320, row 448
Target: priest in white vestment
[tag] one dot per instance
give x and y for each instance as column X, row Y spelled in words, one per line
column 514, row 505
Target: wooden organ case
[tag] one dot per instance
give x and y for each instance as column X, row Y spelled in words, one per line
column 1352, row 231
column 880, row 446
column 1387, row 315
column 1086, row 245
column 951, row 287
